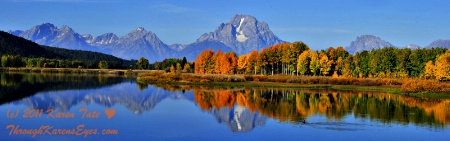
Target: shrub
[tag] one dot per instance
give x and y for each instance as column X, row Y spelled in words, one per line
column 256, row 78
column 423, row 86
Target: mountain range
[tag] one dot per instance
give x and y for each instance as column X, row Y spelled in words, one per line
column 369, row 42
column 13, row 45
column 242, row 34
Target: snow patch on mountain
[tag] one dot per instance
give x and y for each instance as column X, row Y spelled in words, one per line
column 239, row 33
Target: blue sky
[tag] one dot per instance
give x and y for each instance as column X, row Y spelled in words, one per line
column 318, row 23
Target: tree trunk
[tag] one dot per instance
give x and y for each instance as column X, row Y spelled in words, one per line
column 272, row 68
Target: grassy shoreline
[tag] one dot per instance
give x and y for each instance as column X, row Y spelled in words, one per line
column 270, row 81
column 395, row 86
column 76, row 71
column 388, row 89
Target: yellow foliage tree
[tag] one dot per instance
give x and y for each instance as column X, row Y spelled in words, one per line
column 325, row 64
column 303, row 62
column 178, row 68
column 339, row 65
column 242, row 63
column 252, row 61
column 172, row 69
column 429, row 69
column 442, row 66
column 187, row 68
column 314, row 64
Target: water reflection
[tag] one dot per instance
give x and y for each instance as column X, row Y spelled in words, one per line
column 240, row 109
column 296, row 105
column 15, row 86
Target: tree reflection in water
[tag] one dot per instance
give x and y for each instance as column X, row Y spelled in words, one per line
column 294, row 106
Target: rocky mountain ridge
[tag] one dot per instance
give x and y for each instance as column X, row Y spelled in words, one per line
column 242, row 34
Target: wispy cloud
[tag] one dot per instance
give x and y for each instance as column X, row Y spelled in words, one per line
column 311, row 30
column 65, row 1
column 170, row 8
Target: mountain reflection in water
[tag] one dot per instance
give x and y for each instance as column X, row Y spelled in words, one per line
column 241, row 109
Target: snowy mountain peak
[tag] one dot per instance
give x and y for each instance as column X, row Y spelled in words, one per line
column 105, row 39
column 242, row 34
column 239, row 33
column 140, row 29
column 413, row 46
column 87, row 37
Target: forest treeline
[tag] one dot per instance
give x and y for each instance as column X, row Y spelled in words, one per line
column 41, row 62
column 298, row 59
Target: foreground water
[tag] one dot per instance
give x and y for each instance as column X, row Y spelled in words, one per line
column 86, row 107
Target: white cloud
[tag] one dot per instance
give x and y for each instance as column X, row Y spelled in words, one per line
column 170, row 8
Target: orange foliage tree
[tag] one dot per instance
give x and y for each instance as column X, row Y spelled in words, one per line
column 204, row 61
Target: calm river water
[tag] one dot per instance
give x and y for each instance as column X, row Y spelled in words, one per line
column 99, row 107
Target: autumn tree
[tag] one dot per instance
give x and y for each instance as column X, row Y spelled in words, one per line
column 232, row 58
column 286, row 58
column 222, row 64
column 187, row 68
column 442, row 66
column 219, row 65
column 242, row 63
column 314, row 64
column 339, row 52
column 252, row 63
column 339, row 66
column 303, row 62
column 204, row 62
column 172, row 69
column 263, row 60
column 178, row 68
column 429, row 69
column 325, row 65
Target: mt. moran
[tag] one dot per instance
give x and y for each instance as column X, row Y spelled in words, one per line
column 242, row 34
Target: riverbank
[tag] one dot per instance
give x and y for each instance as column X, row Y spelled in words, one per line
column 282, row 81
column 77, row 71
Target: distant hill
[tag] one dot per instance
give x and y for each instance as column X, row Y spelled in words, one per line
column 367, row 42
column 13, row 45
column 440, row 43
